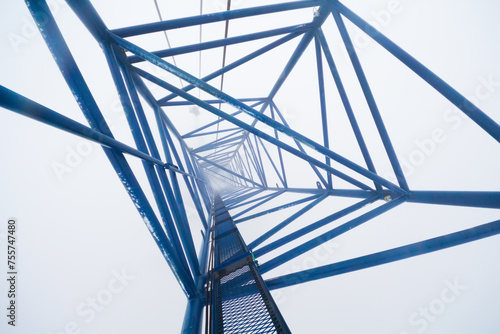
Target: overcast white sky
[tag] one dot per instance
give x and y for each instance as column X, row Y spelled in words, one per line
column 79, row 231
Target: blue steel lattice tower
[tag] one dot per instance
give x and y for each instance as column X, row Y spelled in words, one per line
column 241, row 154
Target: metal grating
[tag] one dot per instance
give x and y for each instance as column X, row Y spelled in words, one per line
column 224, row 228
column 240, row 301
column 245, row 309
column 228, row 247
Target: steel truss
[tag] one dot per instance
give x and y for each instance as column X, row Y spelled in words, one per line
column 225, row 276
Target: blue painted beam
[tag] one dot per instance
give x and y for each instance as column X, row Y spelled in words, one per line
column 218, row 143
column 298, row 144
column 234, row 195
column 271, row 161
column 262, row 110
column 26, row 107
column 322, row 102
column 220, row 176
column 73, row 77
column 299, row 50
column 304, row 42
column 276, row 208
column 211, row 133
column 251, row 164
column 194, row 310
column 172, row 189
column 260, row 163
column 167, row 142
column 240, row 193
column 246, row 169
column 212, row 17
column 377, row 118
column 220, row 153
column 193, row 317
column 312, row 227
column 354, row 193
column 265, row 199
column 255, row 161
column 194, row 189
column 388, row 256
column 225, row 42
column 473, row 112
column 187, row 103
column 238, row 199
column 286, row 222
column 228, row 171
column 190, row 163
column 266, row 120
column 234, row 64
column 204, row 126
column 144, row 140
column 215, row 122
column 91, row 19
column 282, row 165
column 220, row 140
column 347, row 105
column 313, row 243
column 477, row 199
column 240, row 169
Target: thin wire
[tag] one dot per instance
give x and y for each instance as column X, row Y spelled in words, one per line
column 166, row 37
column 199, row 52
column 224, row 51
column 223, row 64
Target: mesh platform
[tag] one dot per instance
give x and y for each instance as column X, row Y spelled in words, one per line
column 240, row 300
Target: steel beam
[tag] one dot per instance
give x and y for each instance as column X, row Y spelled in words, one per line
column 388, row 256
column 313, row 243
column 212, row 17
column 467, row 107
